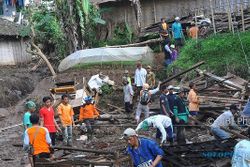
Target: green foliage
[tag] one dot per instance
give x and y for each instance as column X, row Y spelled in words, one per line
column 48, row 29
column 222, row 53
column 107, row 89
column 123, row 34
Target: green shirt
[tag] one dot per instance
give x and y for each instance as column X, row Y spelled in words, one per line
column 26, row 119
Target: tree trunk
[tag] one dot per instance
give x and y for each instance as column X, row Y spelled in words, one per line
column 138, row 13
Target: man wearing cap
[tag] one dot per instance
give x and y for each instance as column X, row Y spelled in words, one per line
column 150, row 77
column 88, row 113
column 126, row 75
column 162, row 123
column 31, row 107
column 167, row 52
column 224, row 120
column 174, row 53
column 140, row 78
column 164, row 104
column 181, row 114
column 143, row 152
column 177, row 33
column 143, row 105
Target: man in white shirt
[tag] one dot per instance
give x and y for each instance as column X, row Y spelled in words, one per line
column 224, row 120
column 140, row 78
column 163, row 124
column 128, row 95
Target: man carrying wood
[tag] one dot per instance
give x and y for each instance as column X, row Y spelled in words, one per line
column 143, row 152
column 162, row 123
column 225, row 120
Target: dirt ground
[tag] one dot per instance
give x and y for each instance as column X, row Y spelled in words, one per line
column 36, row 85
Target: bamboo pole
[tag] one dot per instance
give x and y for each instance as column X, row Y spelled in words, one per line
column 242, row 16
column 229, row 18
column 155, row 20
column 212, row 13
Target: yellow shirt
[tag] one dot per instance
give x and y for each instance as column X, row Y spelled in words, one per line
column 193, row 101
column 65, row 112
column 164, row 26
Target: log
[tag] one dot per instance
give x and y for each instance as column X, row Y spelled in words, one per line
column 183, row 72
column 222, row 99
column 220, row 79
column 10, row 127
column 137, row 44
column 84, row 150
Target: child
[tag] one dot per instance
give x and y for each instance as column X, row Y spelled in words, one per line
column 31, row 107
column 66, row 113
column 88, row 113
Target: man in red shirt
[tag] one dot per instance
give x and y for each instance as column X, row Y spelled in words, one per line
column 48, row 119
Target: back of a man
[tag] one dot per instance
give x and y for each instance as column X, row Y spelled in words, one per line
column 38, row 138
column 224, row 120
column 241, row 156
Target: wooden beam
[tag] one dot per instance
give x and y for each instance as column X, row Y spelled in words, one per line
column 85, row 150
column 183, row 72
column 137, row 44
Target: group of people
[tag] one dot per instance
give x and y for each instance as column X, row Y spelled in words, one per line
column 40, row 129
column 171, row 50
column 139, row 93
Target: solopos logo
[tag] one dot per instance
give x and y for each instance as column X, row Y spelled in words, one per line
column 210, row 121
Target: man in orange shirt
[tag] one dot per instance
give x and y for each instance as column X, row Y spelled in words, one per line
column 193, row 100
column 66, row 113
column 39, row 138
column 193, row 31
column 88, row 113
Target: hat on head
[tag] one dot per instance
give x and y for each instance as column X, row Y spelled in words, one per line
column 126, row 72
column 177, row 18
column 145, row 125
column 172, row 46
column 170, row 87
column 149, row 67
column 88, row 98
column 181, row 90
column 30, row 104
column 128, row 133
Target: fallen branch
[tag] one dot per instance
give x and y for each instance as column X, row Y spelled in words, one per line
column 183, row 72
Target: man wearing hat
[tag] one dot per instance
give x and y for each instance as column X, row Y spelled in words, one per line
column 126, row 75
column 225, row 120
column 31, row 107
column 88, row 113
column 143, row 152
column 181, row 114
column 177, row 33
column 162, row 123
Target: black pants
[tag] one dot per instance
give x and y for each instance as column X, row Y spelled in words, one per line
column 40, row 156
column 181, row 139
column 53, row 138
column 128, row 107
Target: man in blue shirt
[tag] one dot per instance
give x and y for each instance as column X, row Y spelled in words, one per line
column 164, row 104
column 143, row 152
column 177, row 33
